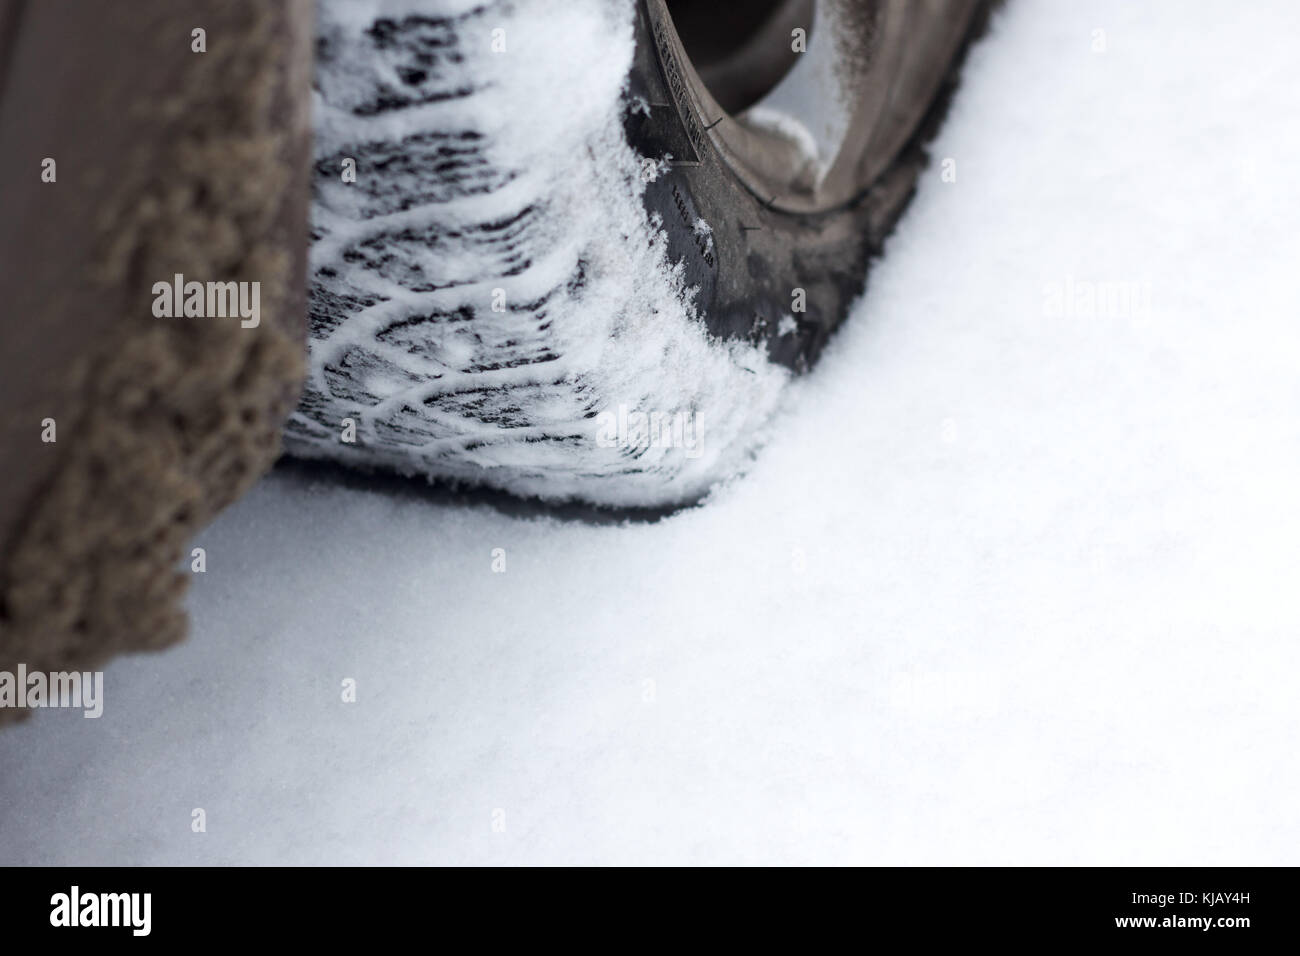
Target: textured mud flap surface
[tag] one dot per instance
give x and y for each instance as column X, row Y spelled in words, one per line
column 167, row 161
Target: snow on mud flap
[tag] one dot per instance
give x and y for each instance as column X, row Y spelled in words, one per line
column 546, row 259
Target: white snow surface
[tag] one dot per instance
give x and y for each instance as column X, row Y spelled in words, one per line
column 1013, row 582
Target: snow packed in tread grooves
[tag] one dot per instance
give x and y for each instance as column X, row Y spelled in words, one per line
column 479, row 171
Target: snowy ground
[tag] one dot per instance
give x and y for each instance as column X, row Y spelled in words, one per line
column 1014, row 581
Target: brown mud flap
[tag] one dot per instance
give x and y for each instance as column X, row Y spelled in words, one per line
column 140, row 142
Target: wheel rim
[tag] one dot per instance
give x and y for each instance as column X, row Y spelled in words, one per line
column 839, row 113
